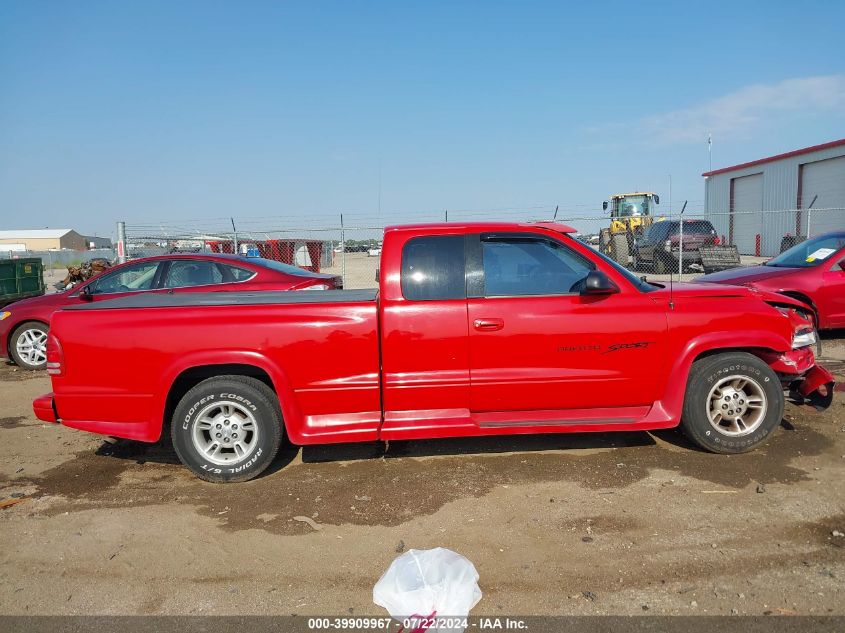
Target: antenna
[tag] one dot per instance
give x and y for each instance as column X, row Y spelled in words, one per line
column 671, row 273
column 680, row 254
column 555, row 215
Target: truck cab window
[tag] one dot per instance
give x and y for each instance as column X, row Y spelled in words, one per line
column 433, row 268
column 524, row 266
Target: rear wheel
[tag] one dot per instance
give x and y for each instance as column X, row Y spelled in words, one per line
column 227, row 428
column 28, row 345
column 733, row 402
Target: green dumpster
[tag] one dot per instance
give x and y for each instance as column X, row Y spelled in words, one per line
column 20, row 278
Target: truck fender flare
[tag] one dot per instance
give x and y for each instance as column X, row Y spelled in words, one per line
column 291, row 414
column 673, row 400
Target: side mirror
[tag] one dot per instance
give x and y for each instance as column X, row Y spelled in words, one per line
column 597, row 283
column 842, row 265
column 604, row 205
column 656, row 199
column 85, row 294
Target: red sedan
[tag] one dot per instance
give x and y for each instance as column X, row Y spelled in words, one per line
column 812, row 271
column 24, row 324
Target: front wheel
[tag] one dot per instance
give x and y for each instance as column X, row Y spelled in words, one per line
column 28, row 345
column 733, row 402
column 227, row 428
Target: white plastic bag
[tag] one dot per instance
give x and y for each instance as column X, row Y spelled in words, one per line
column 432, row 586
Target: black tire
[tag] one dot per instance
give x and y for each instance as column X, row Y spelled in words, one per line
column 22, row 330
column 251, row 403
column 706, row 374
column 660, row 263
column 619, row 249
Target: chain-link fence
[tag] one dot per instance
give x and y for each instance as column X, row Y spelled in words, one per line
column 56, row 262
column 350, row 246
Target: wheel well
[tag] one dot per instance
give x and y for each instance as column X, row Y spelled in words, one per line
column 754, row 351
column 190, row 378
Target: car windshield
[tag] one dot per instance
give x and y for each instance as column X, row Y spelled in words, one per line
column 810, row 252
column 280, row 267
column 633, row 206
column 640, row 283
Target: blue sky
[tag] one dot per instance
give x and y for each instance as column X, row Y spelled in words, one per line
column 170, row 111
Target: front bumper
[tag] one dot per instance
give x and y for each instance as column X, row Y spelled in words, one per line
column 5, row 333
column 817, row 386
column 805, row 379
column 43, row 408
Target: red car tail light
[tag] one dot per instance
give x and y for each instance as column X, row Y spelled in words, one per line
column 55, row 356
column 717, row 241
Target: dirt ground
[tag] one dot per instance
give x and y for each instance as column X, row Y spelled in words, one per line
column 627, row 523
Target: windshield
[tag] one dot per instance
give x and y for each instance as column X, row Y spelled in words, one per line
column 639, row 283
column 632, row 206
column 809, row 253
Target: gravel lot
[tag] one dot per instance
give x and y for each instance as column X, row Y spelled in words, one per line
column 566, row 524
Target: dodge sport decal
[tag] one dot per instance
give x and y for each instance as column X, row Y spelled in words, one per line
column 615, row 347
column 620, row 346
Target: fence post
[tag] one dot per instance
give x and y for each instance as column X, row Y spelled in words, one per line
column 342, row 252
column 680, row 247
column 234, row 237
column 809, row 217
column 121, row 242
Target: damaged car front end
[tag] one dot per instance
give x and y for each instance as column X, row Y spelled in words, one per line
column 800, row 375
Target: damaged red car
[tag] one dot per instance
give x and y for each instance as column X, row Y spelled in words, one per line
column 475, row 329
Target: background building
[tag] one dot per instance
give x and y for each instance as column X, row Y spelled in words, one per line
column 97, row 242
column 43, row 240
column 756, row 204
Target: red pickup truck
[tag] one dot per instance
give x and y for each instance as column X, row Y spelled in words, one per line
column 476, row 329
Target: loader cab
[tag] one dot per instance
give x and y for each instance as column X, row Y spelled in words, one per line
column 631, row 205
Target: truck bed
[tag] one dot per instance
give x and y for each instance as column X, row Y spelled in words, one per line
column 319, row 350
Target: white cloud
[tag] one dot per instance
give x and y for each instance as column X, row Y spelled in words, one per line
column 738, row 112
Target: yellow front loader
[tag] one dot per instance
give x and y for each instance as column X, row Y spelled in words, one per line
column 630, row 215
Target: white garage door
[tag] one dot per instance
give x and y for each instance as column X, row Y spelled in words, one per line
column 747, row 207
column 825, row 179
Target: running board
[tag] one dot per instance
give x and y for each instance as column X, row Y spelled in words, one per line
column 558, row 417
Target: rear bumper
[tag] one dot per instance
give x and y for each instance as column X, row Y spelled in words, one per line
column 43, row 408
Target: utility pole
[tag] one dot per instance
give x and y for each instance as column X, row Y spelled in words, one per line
column 710, row 151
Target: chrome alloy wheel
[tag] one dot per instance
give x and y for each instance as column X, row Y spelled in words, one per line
column 736, row 406
column 31, row 346
column 225, row 433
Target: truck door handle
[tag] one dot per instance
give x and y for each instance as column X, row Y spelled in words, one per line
column 488, row 325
